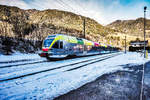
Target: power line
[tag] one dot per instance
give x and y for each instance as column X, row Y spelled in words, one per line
column 64, row 7
column 69, row 6
column 81, row 6
column 60, row 3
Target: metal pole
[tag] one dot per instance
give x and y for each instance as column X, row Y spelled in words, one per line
column 125, row 45
column 84, row 27
column 54, row 30
column 144, row 31
column 142, row 89
column 66, row 32
column 84, row 32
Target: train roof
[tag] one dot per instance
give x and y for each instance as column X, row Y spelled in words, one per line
column 71, row 39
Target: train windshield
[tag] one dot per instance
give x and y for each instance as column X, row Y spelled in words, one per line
column 48, row 42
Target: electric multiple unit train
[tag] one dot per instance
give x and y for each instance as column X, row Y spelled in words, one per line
column 60, row 46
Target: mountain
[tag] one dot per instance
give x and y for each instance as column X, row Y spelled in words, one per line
column 131, row 27
column 28, row 23
column 35, row 25
column 26, row 29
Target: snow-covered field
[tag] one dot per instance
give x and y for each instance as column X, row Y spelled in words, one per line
column 52, row 83
column 18, row 56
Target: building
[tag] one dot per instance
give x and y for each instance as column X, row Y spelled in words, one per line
column 138, row 43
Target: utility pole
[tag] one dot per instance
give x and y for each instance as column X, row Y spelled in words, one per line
column 84, row 33
column 66, row 31
column 142, row 82
column 125, row 45
column 144, row 31
column 84, row 28
column 54, row 28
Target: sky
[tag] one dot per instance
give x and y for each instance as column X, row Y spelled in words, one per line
column 103, row 11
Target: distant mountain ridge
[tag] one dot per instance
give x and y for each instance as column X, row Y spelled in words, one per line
column 23, row 27
column 131, row 27
column 27, row 23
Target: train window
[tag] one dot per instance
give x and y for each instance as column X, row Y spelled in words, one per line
column 51, row 36
column 61, row 44
column 56, row 45
column 47, row 42
column 80, row 41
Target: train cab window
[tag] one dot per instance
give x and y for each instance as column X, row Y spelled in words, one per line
column 61, row 44
column 56, row 44
column 47, row 42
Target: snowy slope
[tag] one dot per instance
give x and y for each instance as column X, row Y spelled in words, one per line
column 54, row 83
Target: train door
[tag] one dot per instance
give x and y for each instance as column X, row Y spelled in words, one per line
column 58, row 47
column 61, row 47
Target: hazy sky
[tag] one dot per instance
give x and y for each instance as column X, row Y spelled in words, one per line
column 103, row 11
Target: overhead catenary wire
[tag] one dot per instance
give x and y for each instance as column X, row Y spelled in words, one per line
column 67, row 5
column 62, row 5
column 80, row 6
column 79, row 14
column 84, row 21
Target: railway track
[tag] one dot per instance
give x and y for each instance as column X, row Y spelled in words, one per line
column 34, row 61
column 13, row 67
column 64, row 68
column 27, row 63
column 14, row 61
column 104, row 58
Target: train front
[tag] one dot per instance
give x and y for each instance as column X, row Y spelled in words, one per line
column 46, row 47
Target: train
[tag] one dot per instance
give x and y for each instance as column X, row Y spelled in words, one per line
column 60, row 46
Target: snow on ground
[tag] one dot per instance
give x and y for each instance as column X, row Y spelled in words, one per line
column 16, row 70
column 147, row 74
column 52, row 84
column 18, row 56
